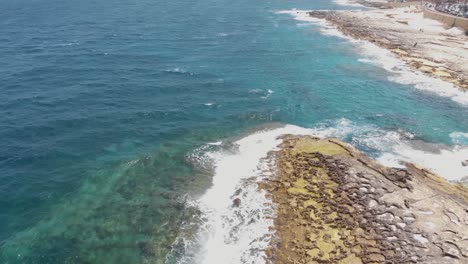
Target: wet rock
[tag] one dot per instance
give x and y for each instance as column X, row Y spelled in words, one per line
column 236, row 202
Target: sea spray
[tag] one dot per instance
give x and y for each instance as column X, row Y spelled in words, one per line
column 445, row 162
column 459, row 138
column 238, row 232
column 348, row 3
column 234, row 216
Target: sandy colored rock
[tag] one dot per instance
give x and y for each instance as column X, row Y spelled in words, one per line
column 442, row 73
column 426, row 69
column 339, row 206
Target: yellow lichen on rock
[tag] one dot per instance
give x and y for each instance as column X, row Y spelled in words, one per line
column 335, row 205
column 426, row 69
column 442, row 73
column 311, row 186
column 310, row 145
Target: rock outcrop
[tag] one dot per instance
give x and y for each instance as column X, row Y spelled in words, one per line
column 336, row 205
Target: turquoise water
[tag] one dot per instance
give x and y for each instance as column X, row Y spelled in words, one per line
column 103, row 101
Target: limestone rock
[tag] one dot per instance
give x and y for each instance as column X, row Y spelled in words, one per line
column 337, row 205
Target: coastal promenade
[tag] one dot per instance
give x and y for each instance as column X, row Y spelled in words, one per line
column 429, row 11
column 447, row 19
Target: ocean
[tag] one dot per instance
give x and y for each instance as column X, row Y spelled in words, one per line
column 128, row 127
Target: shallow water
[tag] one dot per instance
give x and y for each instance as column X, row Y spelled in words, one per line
column 107, row 109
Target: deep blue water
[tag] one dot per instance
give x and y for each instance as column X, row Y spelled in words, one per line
column 102, row 100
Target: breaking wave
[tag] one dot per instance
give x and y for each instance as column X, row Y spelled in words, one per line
column 234, row 216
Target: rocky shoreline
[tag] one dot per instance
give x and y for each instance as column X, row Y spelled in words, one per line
column 436, row 51
column 336, row 205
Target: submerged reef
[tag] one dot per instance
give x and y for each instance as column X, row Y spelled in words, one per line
column 336, row 205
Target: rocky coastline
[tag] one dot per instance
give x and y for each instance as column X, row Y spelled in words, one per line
column 336, row 205
column 433, row 50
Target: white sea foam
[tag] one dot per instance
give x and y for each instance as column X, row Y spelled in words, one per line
column 178, row 70
column 266, row 93
column 348, row 3
column 255, row 91
column 394, row 148
column 447, row 162
column 403, row 74
column 269, row 93
column 325, row 27
column 400, row 71
column 67, row 44
column 217, row 143
column 230, row 234
column 459, row 138
column 303, row 24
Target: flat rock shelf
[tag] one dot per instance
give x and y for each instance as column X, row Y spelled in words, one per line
column 422, row 43
column 336, row 205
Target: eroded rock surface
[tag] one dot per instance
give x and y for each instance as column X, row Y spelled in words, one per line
column 336, row 205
